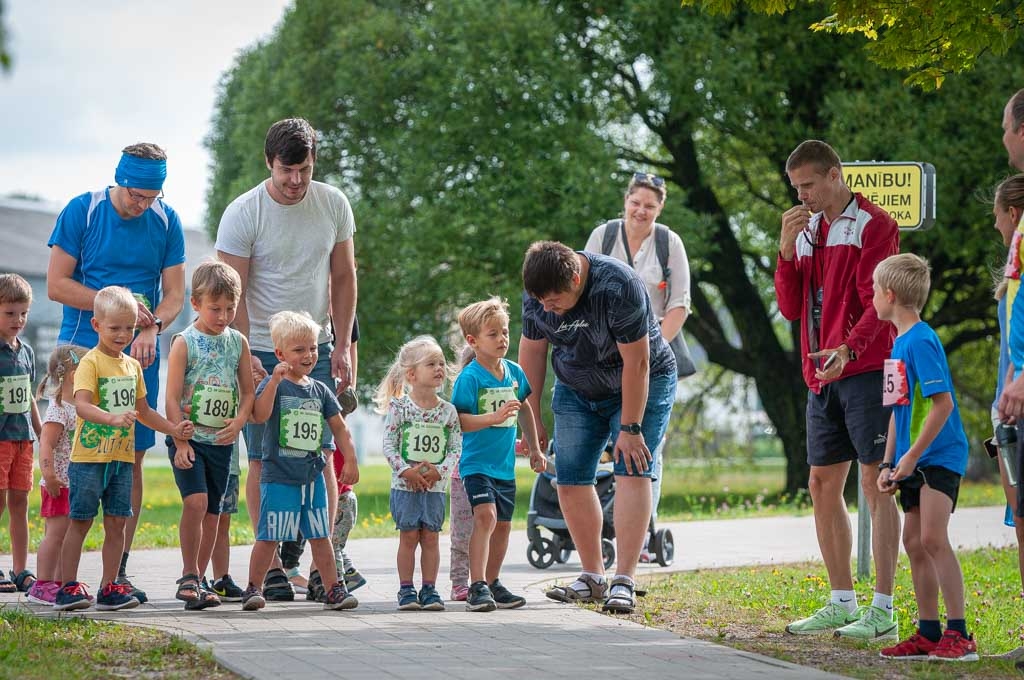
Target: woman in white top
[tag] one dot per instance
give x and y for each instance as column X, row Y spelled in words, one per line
column 634, row 244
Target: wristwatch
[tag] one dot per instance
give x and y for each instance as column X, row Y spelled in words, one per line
column 630, row 428
column 885, row 466
column 158, row 322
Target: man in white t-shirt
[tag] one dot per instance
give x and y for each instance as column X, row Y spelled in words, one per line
column 290, row 239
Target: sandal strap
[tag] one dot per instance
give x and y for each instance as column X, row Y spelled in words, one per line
column 188, row 579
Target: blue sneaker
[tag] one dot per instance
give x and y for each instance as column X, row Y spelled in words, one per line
column 430, row 600
column 480, row 598
column 353, row 579
column 116, row 596
column 407, row 600
column 72, row 595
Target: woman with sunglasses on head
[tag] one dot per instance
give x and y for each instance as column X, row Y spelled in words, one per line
column 633, row 240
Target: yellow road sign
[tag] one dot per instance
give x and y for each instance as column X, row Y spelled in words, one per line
column 905, row 190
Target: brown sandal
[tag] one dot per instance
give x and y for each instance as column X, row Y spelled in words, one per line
column 193, row 595
column 592, row 591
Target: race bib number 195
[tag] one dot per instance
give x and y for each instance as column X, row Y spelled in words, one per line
column 301, row 429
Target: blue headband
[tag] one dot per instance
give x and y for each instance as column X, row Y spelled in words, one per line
column 140, row 173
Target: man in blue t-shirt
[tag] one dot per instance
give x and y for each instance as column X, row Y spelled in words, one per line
column 615, row 375
column 122, row 235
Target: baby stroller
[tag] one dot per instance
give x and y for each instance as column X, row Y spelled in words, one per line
column 545, row 512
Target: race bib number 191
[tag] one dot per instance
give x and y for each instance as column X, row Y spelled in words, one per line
column 895, row 390
column 424, row 442
column 212, row 405
column 301, row 429
column 15, row 394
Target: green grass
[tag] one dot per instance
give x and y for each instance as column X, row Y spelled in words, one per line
column 750, row 607
column 73, row 648
column 688, row 493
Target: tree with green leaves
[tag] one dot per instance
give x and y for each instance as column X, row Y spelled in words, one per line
column 464, row 131
column 931, row 39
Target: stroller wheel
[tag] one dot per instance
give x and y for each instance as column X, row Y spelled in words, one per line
column 608, row 552
column 562, row 551
column 541, row 553
column 664, row 548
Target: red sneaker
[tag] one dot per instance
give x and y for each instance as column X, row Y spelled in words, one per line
column 955, row 647
column 916, row 646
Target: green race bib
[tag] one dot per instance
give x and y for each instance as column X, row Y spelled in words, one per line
column 15, row 394
column 424, row 442
column 301, row 429
column 491, row 399
column 117, row 394
column 212, row 405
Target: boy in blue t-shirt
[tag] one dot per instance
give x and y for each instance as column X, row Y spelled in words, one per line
column 925, row 457
column 293, row 494
column 488, row 394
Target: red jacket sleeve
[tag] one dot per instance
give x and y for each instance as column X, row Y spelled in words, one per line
column 789, row 288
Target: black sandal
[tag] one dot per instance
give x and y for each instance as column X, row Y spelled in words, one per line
column 193, row 595
column 22, row 582
column 6, row 585
column 277, row 587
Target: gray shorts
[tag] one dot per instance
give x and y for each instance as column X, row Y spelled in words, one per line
column 415, row 510
column 847, row 421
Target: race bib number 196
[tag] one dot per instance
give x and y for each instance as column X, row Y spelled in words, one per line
column 301, row 429
column 895, row 390
column 15, row 394
column 117, row 394
column 424, row 442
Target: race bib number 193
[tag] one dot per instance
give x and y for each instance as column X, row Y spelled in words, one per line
column 895, row 390
column 424, row 442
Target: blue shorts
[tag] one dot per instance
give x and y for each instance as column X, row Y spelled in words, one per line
column 484, row 489
column 322, row 372
column 286, row 510
column 93, row 483
column 583, row 427
column 208, row 474
column 415, row 510
column 145, row 438
column 229, row 501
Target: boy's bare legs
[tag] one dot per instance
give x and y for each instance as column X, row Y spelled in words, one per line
column 17, row 518
column 113, row 546
column 407, row 543
column 922, row 569
column 190, row 531
column 211, row 535
column 936, row 507
column 323, row 553
column 430, row 555
column 132, row 522
column 259, row 561
column 496, row 550
column 484, row 522
column 221, row 556
column 71, row 550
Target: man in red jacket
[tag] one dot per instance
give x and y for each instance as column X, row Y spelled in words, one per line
column 828, row 250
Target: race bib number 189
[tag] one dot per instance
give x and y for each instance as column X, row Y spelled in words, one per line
column 15, row 394
column 212, row 405
column 895, row 390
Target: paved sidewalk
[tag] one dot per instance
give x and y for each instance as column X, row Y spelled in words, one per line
column 547, row 639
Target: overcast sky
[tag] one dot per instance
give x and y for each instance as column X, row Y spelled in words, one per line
column 90, row 78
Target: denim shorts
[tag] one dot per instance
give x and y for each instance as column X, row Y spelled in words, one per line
column 229, row 501
column 286, row 510
column 93, row 483
column 415, row 510
column 208, row 474
column 482, row 489
column 583, row 427
column 321, row 371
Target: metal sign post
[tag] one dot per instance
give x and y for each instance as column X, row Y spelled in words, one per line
column 863, row 530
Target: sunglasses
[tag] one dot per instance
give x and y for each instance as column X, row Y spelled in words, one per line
column 648, row 178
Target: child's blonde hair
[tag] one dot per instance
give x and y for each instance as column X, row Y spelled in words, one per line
column 908, row 276
column 412, row 354
column 114, row 300
column 216, row 279
column 62, row 362
column 473, row 318
column 14, row 289
column 285, row 326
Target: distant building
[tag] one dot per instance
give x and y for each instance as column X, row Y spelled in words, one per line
column 25, row 227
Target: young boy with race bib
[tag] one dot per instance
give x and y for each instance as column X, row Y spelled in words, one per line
column 209, row 382
column 925, row 458
column 490, row 396
column 109, row 397
column 422, row 442
column 19, row 424
column 293, row 493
